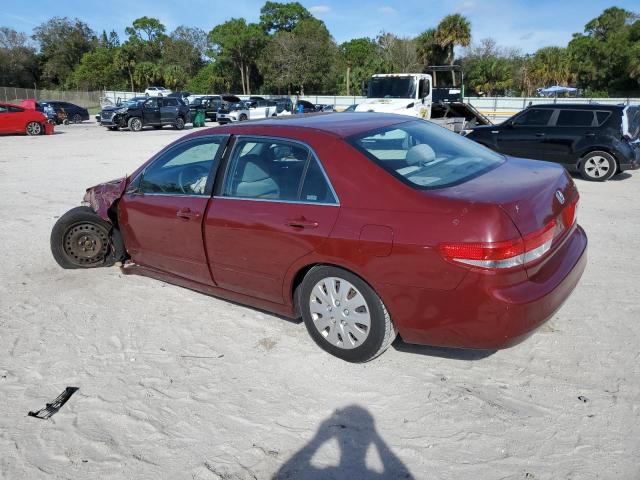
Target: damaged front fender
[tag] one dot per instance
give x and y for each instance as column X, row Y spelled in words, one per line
column 102, row 196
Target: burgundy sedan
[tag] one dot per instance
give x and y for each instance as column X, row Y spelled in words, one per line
column 366, row 225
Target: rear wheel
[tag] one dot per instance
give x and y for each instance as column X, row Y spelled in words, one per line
column 81, row 239
column 598, row 166
column 179, row 123
column 135, row 124
column 33, row 128
column 344, row 315
column 77, row 118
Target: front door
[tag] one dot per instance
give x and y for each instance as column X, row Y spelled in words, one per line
column 151, row 111
column 162, row 211
column 525, row 135
column 274, row 207
column 168, row 109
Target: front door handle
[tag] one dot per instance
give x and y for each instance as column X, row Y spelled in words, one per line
column 301, row 223
column 589, row 134
column 187, row 214
column 540, row 134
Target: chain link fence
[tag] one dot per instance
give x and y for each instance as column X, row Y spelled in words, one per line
column 84, row 99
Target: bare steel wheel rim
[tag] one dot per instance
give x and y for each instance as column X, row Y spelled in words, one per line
column 34, row 128
column 340, row 312
column 86, row 243
column 597, row 166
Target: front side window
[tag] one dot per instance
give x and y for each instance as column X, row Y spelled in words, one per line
column 275, row 170
column 424, row 155
column 183, row 170
column 151, row 103
column 3, row 109
column 575, row 118
column 534, row 117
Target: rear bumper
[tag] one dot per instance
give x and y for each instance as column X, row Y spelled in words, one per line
column 481, row 313
column 631, row 163
column 48, row 128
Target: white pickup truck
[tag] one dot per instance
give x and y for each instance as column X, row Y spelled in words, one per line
column 252, row 109
column 413, row 94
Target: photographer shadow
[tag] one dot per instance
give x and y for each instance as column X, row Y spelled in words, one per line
column 354, row 431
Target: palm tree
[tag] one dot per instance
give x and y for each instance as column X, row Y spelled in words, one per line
column 451, row 31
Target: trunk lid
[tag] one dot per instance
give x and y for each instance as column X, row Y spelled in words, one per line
column 532, row 193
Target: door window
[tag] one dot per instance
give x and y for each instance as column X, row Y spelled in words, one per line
column 151, row 103
column 3, row 109
column 183, row 170
column 276, row 170
column 15, row 109
column 575, row 118
column 534, row 117
column 171, row 102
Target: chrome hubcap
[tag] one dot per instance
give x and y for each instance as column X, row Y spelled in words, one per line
column 340, row 312
column 597, row 166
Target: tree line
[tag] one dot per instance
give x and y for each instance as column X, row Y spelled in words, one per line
column 290, row 51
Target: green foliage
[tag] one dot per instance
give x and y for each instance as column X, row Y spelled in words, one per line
column 97, row 70
column 62, row 44
column 18, row 60
column 278, row 17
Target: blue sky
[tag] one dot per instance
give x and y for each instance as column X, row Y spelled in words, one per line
column 527, row 25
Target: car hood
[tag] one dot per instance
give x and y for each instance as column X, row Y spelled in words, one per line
column 102, row 196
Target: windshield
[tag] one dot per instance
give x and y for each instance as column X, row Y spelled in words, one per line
column 424, row 155
column 132, row 102
column 392, row 87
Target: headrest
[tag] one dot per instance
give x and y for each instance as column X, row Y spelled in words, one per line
column 421, row 153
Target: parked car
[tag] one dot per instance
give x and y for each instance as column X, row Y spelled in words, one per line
column 48, row 111
column 442, row 240
column 184, row 96
column 210, row 104
column 74, row 113
column 283, row 104
column 350, row 108
column 15, row 119
column 252, row 109
column 321, row 107
column 157, row 92
column 302, row 106
column 596, row 140
column 140, row 112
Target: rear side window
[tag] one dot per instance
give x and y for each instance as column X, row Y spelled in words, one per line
column 424, row 155
column 602, row 117
column 575, row 118
column 275, row 170
column 15, row 109
column 534, row 117
column 171, row 102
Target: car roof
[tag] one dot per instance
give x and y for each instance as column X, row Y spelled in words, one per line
column 337, row 124
column 579, row 106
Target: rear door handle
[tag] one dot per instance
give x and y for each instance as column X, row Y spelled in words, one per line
column 187, row 214
column 540, row 134
column 589, row 134
column 301, row 223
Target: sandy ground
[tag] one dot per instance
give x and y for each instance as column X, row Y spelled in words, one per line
column 178, row 385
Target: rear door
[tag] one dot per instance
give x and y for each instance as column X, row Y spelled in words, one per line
column 274, row 206
column 151, row 111
column 7, row 120
column 524, row 136
column 168, row 109
column 161, row 212
column 572, row 130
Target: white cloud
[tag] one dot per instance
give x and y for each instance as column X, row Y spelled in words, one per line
column 319, row 9
column 387, row 10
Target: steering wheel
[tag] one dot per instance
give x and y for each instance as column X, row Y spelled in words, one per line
column 189, row 174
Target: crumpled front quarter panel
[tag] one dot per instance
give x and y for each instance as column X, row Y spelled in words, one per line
column 102, row 196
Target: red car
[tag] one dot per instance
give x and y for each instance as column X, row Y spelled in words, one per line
column 15, row 119
column 364, row 224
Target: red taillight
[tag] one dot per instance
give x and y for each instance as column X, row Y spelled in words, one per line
column 503, row 254
column 569, row 212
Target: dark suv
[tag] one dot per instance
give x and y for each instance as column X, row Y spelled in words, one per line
column 596, row 140
column 140, row 112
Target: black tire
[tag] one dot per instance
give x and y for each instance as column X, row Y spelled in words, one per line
column 77, row 118
column 242, row 117
column 81, row 239
column 135, row 124
column 381, row 331
column 598, row 166
column 33, row 129
column 179, row 123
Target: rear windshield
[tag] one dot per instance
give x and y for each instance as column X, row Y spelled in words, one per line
column 424, row 155
column 631, row 122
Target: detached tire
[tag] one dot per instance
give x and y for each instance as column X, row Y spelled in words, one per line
column 598, row 166
column 344, row 315
column 81, row 239
column 135, row 124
